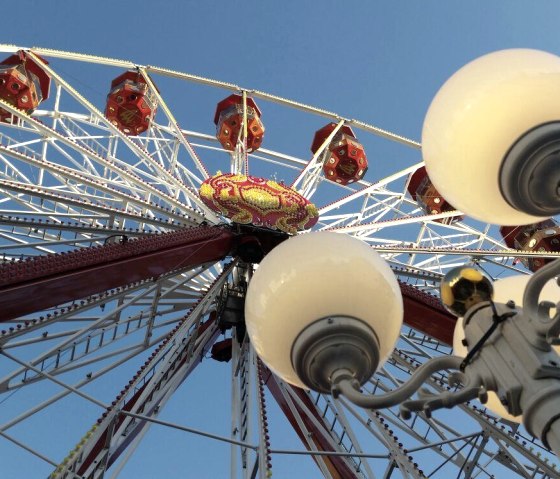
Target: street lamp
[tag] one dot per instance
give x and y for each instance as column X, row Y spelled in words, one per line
column 309, row 309
column 323, row 310
column 491, row 137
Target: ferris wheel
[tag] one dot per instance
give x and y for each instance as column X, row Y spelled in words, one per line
column 128, row 243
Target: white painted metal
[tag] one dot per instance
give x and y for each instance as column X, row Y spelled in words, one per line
column 69, row 179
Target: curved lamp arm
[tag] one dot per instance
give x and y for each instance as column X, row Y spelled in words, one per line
column 546, row 326
column 343, row 383
column 429, row 402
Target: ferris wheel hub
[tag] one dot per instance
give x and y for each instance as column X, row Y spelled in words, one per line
column 257, row 201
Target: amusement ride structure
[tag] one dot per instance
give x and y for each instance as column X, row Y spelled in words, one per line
column 128, row 246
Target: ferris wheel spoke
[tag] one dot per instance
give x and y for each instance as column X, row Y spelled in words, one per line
column 341, row 416
column 399, row 461
column 381, row 208
column 482, row 233
column 123, row 176
column 84, row 209
column 132, row 178
column 163, row 144
column 249, row 421
column 311, row 428
column 435, row 240
column 70, row 126
column 433, row 237
column 309, row 176
column 93, row 343
column 85, row 345
column 123, row 138
column 11, row 171
column 174, row 125
column 336, row 422
column 372, row 210
column 43, row 235
column 405, row 220
column 88, row 379
column 107, row 188
column 142, row 169
column 504, row 267
column 39, row 246
column 149, row 390
column 369, row 189
column 18, row 224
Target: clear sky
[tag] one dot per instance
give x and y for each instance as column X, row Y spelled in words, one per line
column 377, row 61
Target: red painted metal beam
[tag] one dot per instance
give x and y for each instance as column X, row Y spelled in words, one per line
column 424, row 312
column 45, row 281
column 132, row 404
column 337, row 465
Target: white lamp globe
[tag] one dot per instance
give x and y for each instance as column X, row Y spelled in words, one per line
column 513, row 287
column 321, row 299
column 506, row 289
column 491, row 137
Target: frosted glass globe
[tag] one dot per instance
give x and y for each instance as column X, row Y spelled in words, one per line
column 510, row 288
column 474, row 120
column 315, row 276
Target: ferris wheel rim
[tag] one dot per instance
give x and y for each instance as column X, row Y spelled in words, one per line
column 68, row 55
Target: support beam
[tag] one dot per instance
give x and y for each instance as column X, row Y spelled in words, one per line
column 337, row 466
column 424, row 312
column 148, row 391
column 58, row 278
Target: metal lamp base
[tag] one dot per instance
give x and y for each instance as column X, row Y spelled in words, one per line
column 332, row 344
column 530, row 172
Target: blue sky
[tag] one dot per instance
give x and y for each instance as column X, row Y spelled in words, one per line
column 377, row 61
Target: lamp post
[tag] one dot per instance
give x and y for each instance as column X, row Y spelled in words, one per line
column 308, row 307
column 510, row 288
column 324, row 310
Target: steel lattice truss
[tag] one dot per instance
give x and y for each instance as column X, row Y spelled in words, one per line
column 113, row 267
